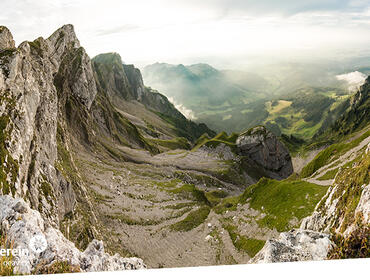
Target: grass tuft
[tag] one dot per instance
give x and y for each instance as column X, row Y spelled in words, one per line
column 192, row 220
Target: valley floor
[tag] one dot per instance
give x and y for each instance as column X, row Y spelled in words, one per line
column 170, row 211
column 144, row 209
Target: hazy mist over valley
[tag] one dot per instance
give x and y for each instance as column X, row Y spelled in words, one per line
column 233, row 100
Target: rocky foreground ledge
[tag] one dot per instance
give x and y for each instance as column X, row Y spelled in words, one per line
column 295, row 245
column 19, row 223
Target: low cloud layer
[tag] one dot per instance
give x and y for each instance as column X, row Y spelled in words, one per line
column 354, row 80
column 188, row 113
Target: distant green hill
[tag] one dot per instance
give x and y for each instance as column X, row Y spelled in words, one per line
column 356, row 115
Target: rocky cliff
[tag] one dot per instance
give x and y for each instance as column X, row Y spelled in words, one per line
column 47, row 91
column 355, row 117
column 346, row 206
column 29, row 112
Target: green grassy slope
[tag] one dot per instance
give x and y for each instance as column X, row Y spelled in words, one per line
column 330, row 154
column 284, row 203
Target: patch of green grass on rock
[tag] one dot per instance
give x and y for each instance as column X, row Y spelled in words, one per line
column 329, row 175
column 171, row 144
column 283, row 201
column 227, row 204
column 215, row 197
column 192, row 220
column 249, row 245
column 221, row 138
column 189, row 191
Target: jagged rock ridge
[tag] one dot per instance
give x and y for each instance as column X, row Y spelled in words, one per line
column 39, row 83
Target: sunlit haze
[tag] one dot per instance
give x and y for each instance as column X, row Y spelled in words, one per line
column 223, row 33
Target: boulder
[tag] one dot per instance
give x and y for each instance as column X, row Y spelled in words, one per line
column 295, row 245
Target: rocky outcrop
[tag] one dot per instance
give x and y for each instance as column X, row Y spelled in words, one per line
column 125, row 81
column 112, row 76
column 265, row 150
column 19, row 223
column 31, row 126
column 136, row 81
column 6, row 39
column 295, row 245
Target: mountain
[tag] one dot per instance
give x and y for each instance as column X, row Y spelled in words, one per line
column 356, row 114
column 200, row 87
column 124, row 83
column 78, row 135
column 339, row 226
column 89, row 153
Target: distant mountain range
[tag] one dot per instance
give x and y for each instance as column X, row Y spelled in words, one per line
column 200, row 86
column 292, row 99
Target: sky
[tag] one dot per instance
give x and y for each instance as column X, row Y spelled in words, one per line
column 225, row 33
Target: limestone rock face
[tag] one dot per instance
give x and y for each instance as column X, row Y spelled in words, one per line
column 30, row 80
column 326, row 217
column 19, row 224
column 95, row 259
column 295, row 245
column 123, row 82
column 6, row 39
column 112, row 76
column 136, row 81
column 263, row 148
column 323, row 220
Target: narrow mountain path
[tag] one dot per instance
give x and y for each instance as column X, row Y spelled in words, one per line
column 341, row 161
column 320, row 182
column 300, row 161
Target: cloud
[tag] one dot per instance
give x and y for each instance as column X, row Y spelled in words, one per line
column 188, row 113
column 286, row 7
column 117, row 29
column 354, row 80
